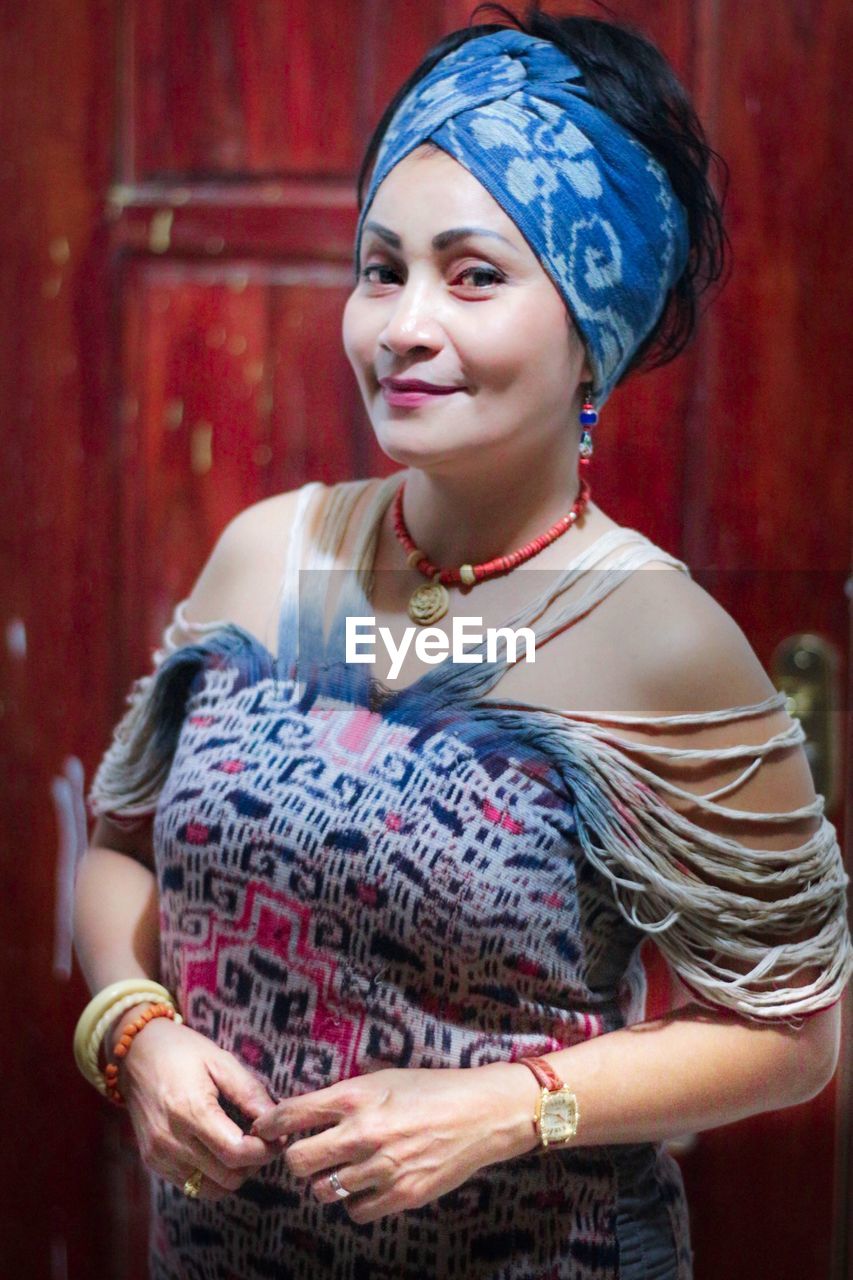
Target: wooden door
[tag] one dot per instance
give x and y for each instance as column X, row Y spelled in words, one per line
column 177, row 230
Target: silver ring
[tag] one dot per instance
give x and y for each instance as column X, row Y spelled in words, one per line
column 335, row 1184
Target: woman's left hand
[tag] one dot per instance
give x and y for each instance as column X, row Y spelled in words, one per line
column 398, row 1139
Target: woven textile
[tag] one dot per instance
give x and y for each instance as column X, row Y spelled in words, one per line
column 433, row 879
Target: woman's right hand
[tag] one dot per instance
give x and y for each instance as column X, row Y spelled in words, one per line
column 171, row 1079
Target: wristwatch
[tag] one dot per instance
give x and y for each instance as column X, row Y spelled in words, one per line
column 557, row 1111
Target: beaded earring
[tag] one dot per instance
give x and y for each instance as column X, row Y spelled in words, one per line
column 588, row 418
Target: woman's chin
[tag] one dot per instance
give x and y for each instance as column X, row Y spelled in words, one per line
column 415, row 446
column 424, row 459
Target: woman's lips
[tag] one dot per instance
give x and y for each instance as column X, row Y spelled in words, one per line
column 410, row 399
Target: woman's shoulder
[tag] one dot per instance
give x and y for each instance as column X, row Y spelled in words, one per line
column 659, row 641
column 240, row 579
column 696, row 656
column 683, row 651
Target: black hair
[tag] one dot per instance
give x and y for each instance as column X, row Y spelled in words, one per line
column 628, row 77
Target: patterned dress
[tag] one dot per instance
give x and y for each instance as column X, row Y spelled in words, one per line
column 350, row 881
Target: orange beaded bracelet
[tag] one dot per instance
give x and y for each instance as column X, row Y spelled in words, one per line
column 120, row 1051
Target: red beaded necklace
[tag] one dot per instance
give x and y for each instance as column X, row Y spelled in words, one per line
column 430, row 601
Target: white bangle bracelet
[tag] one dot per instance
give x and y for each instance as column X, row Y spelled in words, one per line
column 104, row 1001
column 93, row 1046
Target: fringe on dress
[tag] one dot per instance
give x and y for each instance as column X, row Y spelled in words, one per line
column 693, row 890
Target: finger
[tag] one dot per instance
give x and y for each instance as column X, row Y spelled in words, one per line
column 238, row 1084
column 208, row 1123
column 369, row 1207
column 182, row 1157
column 217, row 1174
column 184, row 1165
column 349, row 1142
column 307, row 1111
column 206, row 1189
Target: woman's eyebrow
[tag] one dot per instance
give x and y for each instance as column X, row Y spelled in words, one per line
column 441, row 241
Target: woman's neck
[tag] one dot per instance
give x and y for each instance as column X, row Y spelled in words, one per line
column 456, row 520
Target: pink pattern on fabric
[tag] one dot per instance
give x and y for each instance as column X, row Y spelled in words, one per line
column 251, row 1051
column 500, row 816
column 357, row 731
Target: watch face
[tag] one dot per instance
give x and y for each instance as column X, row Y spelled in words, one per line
column 558, row 1117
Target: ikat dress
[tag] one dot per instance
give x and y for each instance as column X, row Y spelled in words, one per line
column 352, row 879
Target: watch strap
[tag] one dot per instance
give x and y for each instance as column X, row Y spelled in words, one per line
column 544, row 1073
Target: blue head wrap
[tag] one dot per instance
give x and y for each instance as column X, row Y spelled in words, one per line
column 595, row 206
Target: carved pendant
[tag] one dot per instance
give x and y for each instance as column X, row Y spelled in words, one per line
column 428, row 603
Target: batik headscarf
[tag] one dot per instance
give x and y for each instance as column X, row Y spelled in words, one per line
column 595, row 206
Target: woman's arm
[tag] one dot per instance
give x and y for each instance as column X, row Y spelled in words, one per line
column 399, row 1139
column 698, row 1068
column 174, row 1079
column 690, row 1070
column 116, row 929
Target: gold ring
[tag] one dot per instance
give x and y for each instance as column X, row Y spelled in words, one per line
column 193, row 1184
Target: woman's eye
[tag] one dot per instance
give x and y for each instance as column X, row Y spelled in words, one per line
column 375, row 266
column 487, row 275
column 493, row 277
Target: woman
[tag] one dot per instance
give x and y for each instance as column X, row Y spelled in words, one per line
column 400, row 917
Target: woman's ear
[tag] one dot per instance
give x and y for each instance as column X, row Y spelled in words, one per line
column 586, row 373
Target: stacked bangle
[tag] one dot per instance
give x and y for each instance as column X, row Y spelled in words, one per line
column 101, row 1012
column 120, row 1051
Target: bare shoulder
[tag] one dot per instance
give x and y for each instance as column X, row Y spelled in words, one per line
column 683, row 653
column 660, row 642
column 687, row 652
column 241, row 577
column 241, row 580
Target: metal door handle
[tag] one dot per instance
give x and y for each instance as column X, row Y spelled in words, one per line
column 807, row 668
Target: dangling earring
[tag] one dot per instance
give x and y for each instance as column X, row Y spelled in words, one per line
column 588, row 418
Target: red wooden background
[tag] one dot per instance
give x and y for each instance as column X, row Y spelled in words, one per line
column 176, row 231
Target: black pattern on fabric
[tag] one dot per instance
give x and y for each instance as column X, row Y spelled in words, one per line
column 343, row 891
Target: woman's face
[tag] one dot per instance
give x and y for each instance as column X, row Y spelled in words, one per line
column 474, row 312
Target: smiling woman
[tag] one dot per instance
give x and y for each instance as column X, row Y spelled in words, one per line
column 402, row 922
column 458, row 309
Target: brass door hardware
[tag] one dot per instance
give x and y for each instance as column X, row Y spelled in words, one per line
column 807, row 668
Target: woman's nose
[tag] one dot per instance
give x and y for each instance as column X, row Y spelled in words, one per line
column 412, row 321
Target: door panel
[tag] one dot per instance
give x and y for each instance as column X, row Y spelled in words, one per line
column 227, row 397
